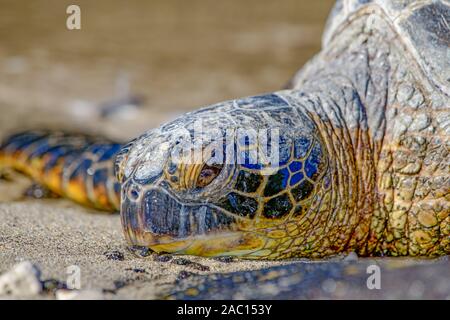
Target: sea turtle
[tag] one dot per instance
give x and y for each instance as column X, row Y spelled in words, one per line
column 352, row 156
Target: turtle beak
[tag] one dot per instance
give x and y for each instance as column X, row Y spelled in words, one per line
column 162, row 223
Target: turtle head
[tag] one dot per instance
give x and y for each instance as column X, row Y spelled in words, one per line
column 225, row 180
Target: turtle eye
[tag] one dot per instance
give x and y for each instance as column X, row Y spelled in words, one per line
column 208, row 173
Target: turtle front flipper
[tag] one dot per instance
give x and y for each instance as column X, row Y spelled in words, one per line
column 76, row 166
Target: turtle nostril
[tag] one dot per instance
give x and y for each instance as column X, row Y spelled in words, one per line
column 133, row 193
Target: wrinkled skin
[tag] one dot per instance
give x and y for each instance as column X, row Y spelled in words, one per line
column 361, row 136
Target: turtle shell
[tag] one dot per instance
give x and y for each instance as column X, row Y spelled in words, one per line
column 424, row 27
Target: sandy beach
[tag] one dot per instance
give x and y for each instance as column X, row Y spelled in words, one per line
column 55, row 235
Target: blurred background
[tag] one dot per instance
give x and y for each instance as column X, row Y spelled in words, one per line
column 135, row 64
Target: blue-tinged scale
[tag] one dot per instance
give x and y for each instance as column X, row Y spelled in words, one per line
column 296, row 178
column 41, row 149
column 232, row 200
column 117, row 187
column 295, row 166
column 261, row 101
column 82, row 168
column 301, row 147
column 285, row 174
column 100, row 177
column 21, row 142
column 62, row 152
column 284, row 151
column 110, row 152
column 313, row 161
column 249, row 162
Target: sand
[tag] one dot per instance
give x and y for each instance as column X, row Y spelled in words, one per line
column 55, row 234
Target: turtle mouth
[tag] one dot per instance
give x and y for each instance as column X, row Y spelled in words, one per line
column 161, row 222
